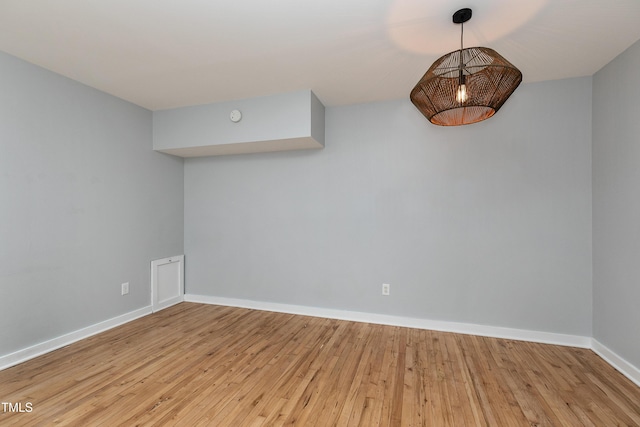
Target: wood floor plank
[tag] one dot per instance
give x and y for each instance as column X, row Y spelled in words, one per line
column 374, row 389
column 456, row 384
column 195, row 364
column 355, row 403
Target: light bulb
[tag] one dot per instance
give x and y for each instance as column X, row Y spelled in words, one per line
column 461, row 93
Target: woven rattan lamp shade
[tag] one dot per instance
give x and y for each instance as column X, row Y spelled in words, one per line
column 465, row 86
column 489, row 78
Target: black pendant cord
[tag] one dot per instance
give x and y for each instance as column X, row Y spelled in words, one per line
column 461, row 78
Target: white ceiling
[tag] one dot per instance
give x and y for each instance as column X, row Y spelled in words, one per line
column 170, row 53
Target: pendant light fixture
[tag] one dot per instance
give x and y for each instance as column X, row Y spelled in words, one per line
column 465, row 86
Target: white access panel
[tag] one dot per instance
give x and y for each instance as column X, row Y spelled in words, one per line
column 167, row 282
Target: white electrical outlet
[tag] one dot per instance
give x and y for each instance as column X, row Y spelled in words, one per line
column 125, row 288
column 385, row 288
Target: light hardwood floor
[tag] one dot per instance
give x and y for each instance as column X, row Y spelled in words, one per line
column 202, row 365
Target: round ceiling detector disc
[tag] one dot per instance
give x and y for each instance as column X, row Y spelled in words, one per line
column 235, row 116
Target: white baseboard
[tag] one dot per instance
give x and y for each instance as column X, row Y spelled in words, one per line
column 436, row 325
column 624, row 367
column 168, row 303
column 61, row 341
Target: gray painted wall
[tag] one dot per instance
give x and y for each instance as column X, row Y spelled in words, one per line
column 487, row 224
column 616, row 206
column 85, row 204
